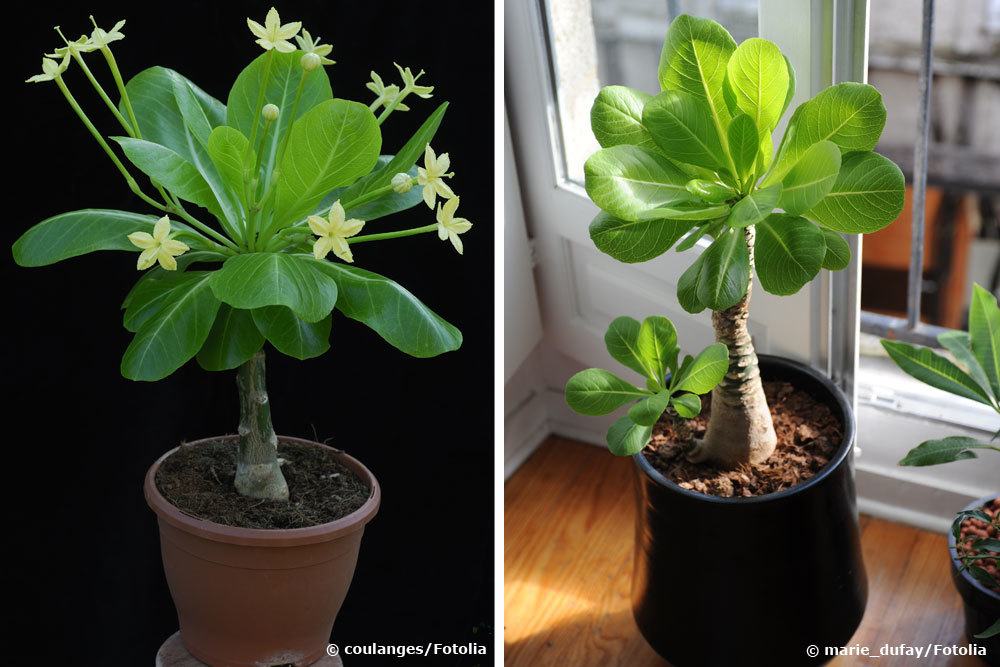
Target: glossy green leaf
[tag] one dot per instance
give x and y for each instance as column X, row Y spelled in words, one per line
column 867, row 195
column 989, row 632
column 256, row 280
column 596, row 391
column 684, row 210
column 227, row 147
column 744, row 145
column 754, row 208
column 959, row 343
column 687, row 406
column 331, row 145
column 291, row 335
column 635, row 241
column 704, row 372
column 647, row 411
column 626, row 180
column 984, row 332
column 622, row 341
column 838, row 253
column 171, row 171
column 681, row 125
column 78, row 233
column 791, row 86
column 812, row 177
column 757, row 78
column 616, row 118
column 710, row 229
column 389, row 203
column 935, row 370
column 945, row 450
column 165, row 342
column 626, row 438
column 151, row 292
column 725, row 274
column 687, row 286
column 657, row 345
column 789, row 253
column 233, row 340
column 709, row 191
column 392, row 311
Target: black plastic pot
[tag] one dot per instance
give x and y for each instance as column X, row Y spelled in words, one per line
column 982, row 606
column 766, row 580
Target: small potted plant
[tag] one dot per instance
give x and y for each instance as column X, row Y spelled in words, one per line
column 259, row 533
column 974, row 542
column 747, row 542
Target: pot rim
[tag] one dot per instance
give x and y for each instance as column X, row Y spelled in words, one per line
column 972, row 581
column 846, row 446
column 264, row 537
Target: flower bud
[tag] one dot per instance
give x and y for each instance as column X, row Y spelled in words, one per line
column 402, row 183
column 310, row 61
column 270, row 112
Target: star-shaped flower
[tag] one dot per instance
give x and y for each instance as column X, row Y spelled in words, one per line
column 410, row 82
column 432, row 176
column 158, row 246
column 274, row 35
column 50, row 70
column 333, row 232
column 100, row 38
column 80, row 45
column 314, row 53
column 386, row 94
column 449, row 227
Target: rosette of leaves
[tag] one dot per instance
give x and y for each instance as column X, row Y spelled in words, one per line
column 650, row 349
column 697, row 161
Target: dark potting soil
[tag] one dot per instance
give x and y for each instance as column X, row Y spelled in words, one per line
column 808, row 435
column 975, row 529
column 198, row 480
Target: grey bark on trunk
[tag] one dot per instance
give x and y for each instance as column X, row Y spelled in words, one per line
column 258, row 473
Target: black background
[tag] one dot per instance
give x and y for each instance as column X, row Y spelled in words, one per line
column 78, row 438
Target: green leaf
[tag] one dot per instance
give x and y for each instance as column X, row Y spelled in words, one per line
column 333, row 144
column 232, row 341
column 838, row 253
column 596, row 391
column 849, row 114
column 725, row 274
column 757, row 78
column 709, row 191
column 635, row 241
column 791, row 86
column 151, row 292
column 392, row 311
column 282, row 86
column 811, row 178
column 867, row 195
column 78, row 233
column 681, row 125
column 711, row 229
column 990, row 632
column 984, row 331
column 626, row 180
column 255, row 280
column 789, row 253
column 622, row 341
column 657, row 345
column 687, row 287
column 687, row 406
column 935, row 370
column 754, row 208
column 626, row 438
column 228, row 149
column 616, row 118
column 744, row 145
column 171, row 171
column 704, row 372
column 388, row 204
column 959, row 343
column 945, row 450
column 686, row 210
column 292, row 336
column 987, row 544
column 647, row 411
column 164, row 343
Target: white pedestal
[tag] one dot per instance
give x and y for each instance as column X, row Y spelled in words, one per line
column 173, row 654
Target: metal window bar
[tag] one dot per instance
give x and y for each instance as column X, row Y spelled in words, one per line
column 911, row 328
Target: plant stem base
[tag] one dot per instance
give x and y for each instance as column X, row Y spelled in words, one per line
column 173, row 654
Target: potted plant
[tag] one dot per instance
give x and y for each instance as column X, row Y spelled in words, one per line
column 974, row 542
column 259, row 533
column 747, row 545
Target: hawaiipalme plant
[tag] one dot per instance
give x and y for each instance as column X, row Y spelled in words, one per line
column 697, row 161
column 289, row 174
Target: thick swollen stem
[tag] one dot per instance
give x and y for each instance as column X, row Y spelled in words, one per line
column 740, row 429
column 258, row 472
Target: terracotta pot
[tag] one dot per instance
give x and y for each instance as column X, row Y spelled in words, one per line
column 981, row 605
column 255, row 597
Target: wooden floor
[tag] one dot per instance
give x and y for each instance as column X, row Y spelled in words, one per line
column 568, row 516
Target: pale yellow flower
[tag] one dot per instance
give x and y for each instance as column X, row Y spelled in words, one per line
column 449, row 227
column 79, row 45
column 274, row 35
column 100, row 38
column 402, row 183
column 431, row 176
column 386, row 94
column 315, row 53
column 50, row 70
column 410, row 82
column 158, row 246
column 333, row 233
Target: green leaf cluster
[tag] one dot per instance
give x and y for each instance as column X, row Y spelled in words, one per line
column 698, row 160
column 650, row 349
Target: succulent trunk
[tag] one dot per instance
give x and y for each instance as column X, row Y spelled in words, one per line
column 740, row 429
column 258, row 472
